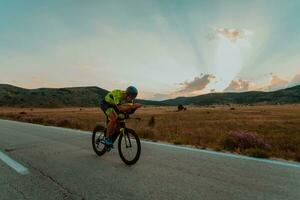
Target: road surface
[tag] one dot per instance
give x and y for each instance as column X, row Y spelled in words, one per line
column 39, row 162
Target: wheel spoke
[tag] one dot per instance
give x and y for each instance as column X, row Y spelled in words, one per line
column 129, row 147
column 98, row 141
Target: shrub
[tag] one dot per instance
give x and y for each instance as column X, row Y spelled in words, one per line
column 146, row 133
column 297, row 157
column 177, row 141
column 36, row 120
column 77, row 126
column 50, row 122
column 258, row 153
column 244, row 140
column 18, row 117
column 151, row 122
column 7, row 97
column 180, row 107
column 64, row 123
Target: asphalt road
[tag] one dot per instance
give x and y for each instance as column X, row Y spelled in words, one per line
column 60, row 164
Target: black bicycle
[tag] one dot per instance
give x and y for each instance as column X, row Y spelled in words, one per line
column 129, row 145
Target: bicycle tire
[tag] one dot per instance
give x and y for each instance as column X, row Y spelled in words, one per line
column 138, row 143
column 98, row 129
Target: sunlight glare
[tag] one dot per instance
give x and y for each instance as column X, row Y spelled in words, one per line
column 228, row 61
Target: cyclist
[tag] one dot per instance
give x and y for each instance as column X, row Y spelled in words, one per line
column 114, row 102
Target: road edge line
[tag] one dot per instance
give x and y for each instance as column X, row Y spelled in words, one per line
column 13, row 164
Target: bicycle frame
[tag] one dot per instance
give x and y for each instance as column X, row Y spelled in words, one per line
column 122, row 126
column 123, row 132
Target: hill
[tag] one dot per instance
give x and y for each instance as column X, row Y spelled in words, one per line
column 284, row 96
column 48, row 97
column 13, row 96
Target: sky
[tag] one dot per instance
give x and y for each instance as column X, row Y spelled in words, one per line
column 166, row 48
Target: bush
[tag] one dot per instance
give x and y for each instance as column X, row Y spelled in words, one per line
column 50, row 122
column 180, row 107
column 177, row 141
column 64, row 123
column 151, row 122
column 297, row 156
column 18, row 117
column 244, row 140
column 258, row 153
column 36, row 120
column 77, row 126
column 146, row 133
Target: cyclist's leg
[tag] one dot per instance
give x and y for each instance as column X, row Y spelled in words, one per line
column 112, row 116
column 112, row 121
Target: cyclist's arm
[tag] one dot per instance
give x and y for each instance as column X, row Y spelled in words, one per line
column 128, row 107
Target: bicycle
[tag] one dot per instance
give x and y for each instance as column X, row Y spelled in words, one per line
column 128, row 140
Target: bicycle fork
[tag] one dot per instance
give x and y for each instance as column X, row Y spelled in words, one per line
column 126, row 137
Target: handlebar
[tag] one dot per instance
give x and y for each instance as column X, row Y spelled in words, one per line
column 126, row 115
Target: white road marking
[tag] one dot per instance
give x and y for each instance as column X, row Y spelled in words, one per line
column 13, row 164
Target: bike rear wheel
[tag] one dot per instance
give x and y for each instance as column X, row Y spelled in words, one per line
column 129, row 147
column 98, row 139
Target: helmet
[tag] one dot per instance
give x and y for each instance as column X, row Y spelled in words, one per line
column 132, row 91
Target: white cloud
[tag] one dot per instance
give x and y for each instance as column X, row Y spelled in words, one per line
column 160, row 96
column 238, row 86
column 198, row 84
column 233, row 34
column 295, row 81
column 277, row 83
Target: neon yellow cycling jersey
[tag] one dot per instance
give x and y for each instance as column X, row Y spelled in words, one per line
column 115, row 97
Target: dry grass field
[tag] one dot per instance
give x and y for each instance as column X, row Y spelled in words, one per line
column 261, row 131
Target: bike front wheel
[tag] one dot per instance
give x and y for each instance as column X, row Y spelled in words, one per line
column 129, row 147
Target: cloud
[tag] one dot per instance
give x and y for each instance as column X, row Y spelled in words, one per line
column 198, row 84
column 232, row 34
column 277, row 83
column 238, row 86
column 189, row 88
column 160, row 96
column 154, row 96
column 295, row 81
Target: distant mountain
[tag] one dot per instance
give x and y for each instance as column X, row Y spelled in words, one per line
column 89, row 96
column 283, row 96
column 48, row 97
